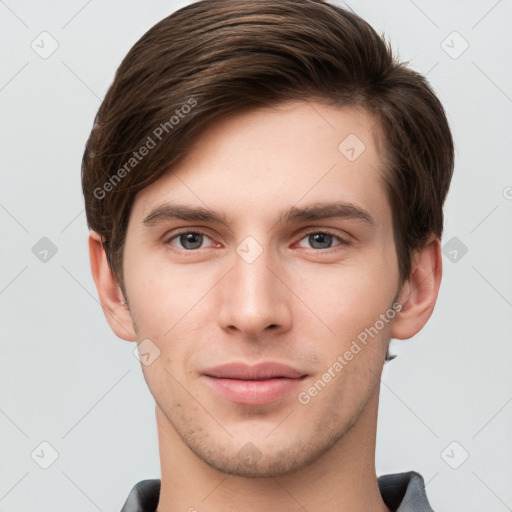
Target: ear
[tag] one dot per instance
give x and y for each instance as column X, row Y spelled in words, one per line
column 418, row 294
column 111, row 297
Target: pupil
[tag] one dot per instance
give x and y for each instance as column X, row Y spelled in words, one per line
column 191, row 240
column 323, row 239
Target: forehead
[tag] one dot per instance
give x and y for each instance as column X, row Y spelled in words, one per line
column 262, row 161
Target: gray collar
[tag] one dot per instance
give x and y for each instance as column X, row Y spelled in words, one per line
column 401, row 492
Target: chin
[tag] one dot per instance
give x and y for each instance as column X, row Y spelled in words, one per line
column 260, row 458
column 250, row 462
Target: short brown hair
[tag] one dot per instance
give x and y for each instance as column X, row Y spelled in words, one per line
column 216, row 57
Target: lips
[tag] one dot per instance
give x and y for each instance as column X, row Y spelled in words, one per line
column 259, row 384
column 261, row 371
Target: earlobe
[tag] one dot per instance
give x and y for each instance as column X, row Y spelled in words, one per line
column 419, row 294
column 110, row 294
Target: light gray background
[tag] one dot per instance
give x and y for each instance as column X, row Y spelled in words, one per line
column 65, row 378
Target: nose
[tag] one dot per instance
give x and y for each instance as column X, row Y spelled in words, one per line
column 254, row 299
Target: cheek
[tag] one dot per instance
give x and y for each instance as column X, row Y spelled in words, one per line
column 348, row 297
column 164, row 312
column 350, row 301
column 169, row 308
column 159, row 295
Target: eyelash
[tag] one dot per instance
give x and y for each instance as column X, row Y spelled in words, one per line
column 341, row 241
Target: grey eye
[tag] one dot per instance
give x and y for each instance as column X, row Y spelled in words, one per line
column 320, row 240
column 191, row 240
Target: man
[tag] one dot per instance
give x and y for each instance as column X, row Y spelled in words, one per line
column 264, row 185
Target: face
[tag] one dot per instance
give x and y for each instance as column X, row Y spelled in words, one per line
column 263, row 272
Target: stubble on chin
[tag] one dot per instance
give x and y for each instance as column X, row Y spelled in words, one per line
column 256, row 458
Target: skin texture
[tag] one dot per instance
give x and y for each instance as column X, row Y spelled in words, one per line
column 299, row 302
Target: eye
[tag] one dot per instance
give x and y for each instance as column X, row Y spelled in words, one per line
column 323, row 240
column 188, row 240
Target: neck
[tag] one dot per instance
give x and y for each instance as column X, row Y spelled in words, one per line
column 341, row 479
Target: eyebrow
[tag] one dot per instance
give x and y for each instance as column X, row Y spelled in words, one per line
column 325, row 211
column 318, row 211
column 170, row 211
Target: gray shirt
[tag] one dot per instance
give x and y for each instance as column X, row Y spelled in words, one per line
column 401, row 492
